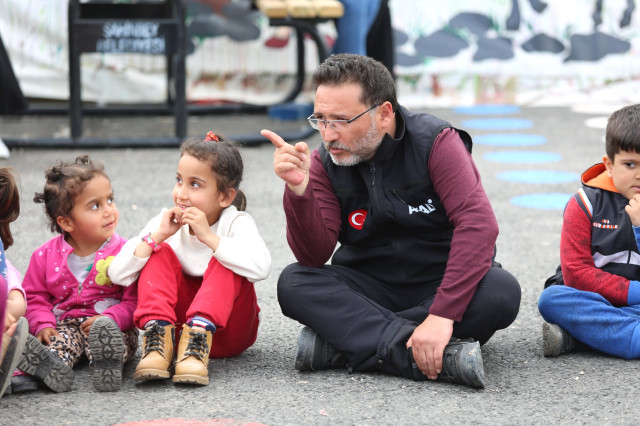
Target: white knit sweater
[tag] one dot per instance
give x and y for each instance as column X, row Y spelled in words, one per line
column 241, row 249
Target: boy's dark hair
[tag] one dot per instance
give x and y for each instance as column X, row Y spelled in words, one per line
column 375, row 79
column 225, row 161
column 9, row 203
column 65, row 182
column 623, row 131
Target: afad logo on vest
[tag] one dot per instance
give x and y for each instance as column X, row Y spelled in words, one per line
column 356, row 218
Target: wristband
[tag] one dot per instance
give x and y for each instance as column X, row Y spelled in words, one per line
column 147, row 239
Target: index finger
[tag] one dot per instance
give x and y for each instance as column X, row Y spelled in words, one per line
column 432, row 371
column 273, row 137
column 173, row 213
column 438, row 361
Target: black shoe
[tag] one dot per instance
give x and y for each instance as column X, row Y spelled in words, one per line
column 556, row 341
column 461, row 364
column 107, row 348
column 23, row 383
column 39, row 361
column 314, row 353
column 13, row 353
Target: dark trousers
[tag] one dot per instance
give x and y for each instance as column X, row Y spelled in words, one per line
column 370, row 321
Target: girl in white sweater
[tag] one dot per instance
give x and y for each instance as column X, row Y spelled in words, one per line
column 196, row 264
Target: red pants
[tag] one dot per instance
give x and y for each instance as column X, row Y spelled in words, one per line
column 223, row 297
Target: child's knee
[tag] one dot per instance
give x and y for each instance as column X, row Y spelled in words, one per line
column 548, row 299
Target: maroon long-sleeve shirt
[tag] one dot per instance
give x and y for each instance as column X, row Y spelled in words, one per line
column 313, row 222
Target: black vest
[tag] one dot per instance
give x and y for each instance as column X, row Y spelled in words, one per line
column 612, row 233
column 613, row 244
column 394, row 226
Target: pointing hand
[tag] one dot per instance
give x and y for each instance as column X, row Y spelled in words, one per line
column 290, row 162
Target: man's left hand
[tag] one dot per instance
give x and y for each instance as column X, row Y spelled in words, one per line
column 428, row 342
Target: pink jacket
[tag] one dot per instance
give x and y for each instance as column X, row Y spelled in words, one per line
column 54, row 294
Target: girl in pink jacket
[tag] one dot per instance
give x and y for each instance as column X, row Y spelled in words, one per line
column 73, row 308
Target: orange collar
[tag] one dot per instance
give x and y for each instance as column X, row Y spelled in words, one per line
column 596, row 176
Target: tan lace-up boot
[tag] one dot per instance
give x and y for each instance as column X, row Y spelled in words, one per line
column 193, row 356
column 157, row 353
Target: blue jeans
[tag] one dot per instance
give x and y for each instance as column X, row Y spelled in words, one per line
column 354, row 26
column 593, row 320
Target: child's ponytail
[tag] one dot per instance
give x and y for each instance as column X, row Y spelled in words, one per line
column 240, row 202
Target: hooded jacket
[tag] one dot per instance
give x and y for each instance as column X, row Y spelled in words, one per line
column 598, row 249
column 54, row 294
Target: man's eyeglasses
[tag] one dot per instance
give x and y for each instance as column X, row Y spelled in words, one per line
column 337, row 125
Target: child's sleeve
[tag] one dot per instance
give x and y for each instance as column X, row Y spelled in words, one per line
column 125, row 268
column 578, row 268
column 122, row 313
column 14, row 280
column 39, row 299
column 243, row 250
column 633, row 296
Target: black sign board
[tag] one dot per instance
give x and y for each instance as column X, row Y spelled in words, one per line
column 156, row 37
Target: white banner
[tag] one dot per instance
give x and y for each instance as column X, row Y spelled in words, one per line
column 448, row 53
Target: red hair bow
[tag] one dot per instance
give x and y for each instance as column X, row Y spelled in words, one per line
column 211, row 137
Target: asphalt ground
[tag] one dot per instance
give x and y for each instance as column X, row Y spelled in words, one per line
column 261, row 386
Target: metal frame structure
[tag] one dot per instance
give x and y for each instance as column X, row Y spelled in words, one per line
column 87, row 23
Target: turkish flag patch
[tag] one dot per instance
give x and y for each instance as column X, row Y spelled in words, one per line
column 356, row 218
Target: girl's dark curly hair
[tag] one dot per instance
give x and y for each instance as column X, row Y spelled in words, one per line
column 9, row 203
column 225, row 161
column 65, row 182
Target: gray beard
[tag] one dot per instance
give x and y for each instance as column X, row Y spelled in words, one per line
column 366, row 147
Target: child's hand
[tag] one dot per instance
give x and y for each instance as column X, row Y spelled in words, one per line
column 6, row 337
column 8, row 320
column 170, row 223
column 45, row 335
column 86, row 325
column 197, row 221
column 633, row 210
column 16, row 304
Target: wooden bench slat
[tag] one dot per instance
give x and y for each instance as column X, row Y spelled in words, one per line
column 301, row 9
column 273, row 8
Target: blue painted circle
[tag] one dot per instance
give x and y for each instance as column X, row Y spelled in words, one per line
column 498, row 124
column 522, row 157
column 538, row 176
column 542, row 201
column 509, row 139
column 488, row 109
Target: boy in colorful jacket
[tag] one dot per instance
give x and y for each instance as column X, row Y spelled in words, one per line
column 599, row 303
